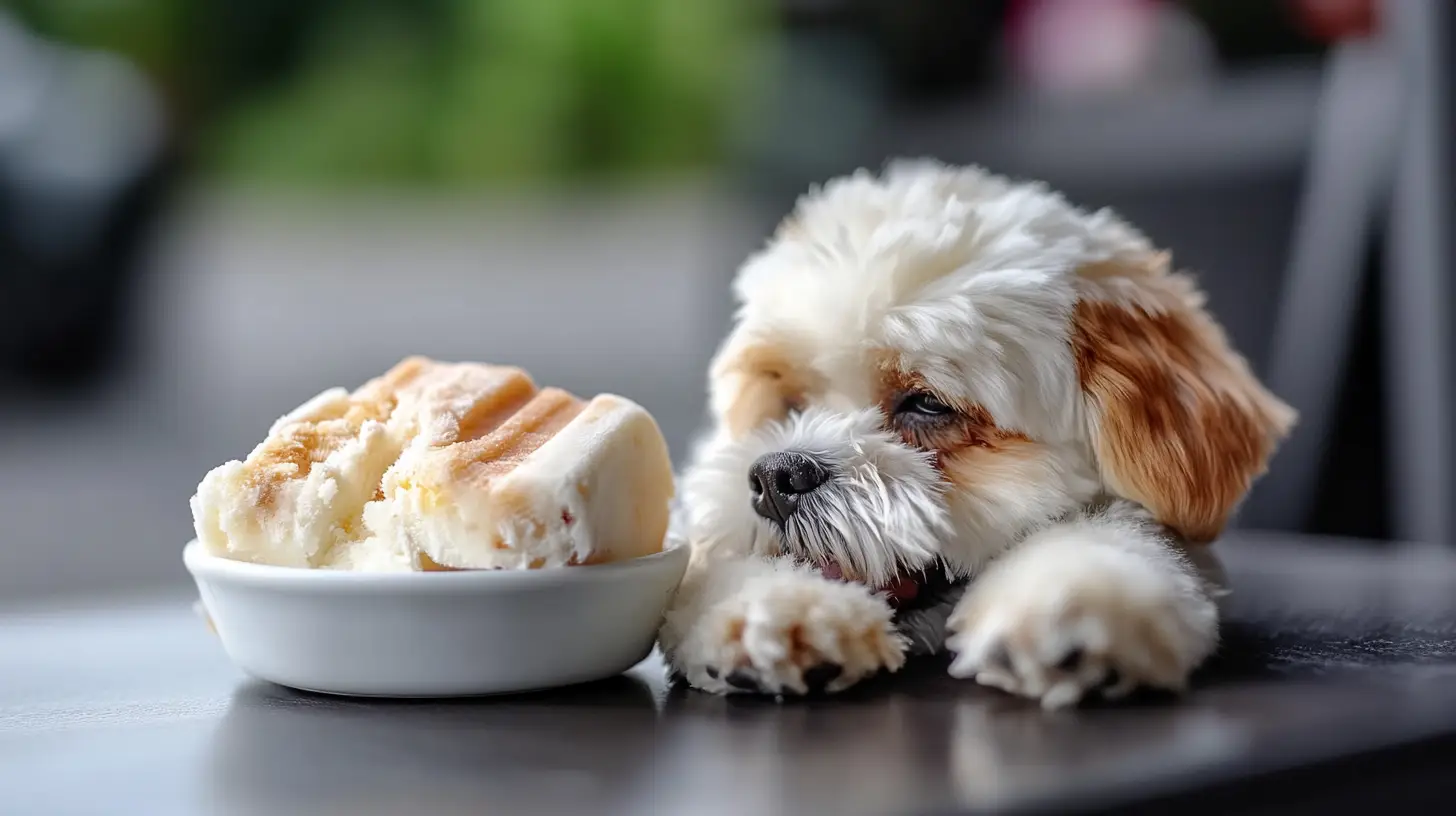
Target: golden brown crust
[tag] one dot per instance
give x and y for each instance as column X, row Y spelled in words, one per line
column 427, row 439
column 491, row 412
column 496, row 395
column 297, row 445
column 522, row 433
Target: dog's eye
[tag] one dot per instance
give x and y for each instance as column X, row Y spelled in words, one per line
column 919, row 403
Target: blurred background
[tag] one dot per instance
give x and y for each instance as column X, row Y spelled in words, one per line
column 212, row 209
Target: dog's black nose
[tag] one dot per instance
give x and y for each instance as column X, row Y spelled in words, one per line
column 779, row 480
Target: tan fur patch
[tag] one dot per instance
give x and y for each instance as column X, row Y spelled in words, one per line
column 1011, row 459
column 978, row 430
column 1179, row 423
column 765, row 386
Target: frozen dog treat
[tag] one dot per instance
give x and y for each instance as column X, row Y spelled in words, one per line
column 500, row 474
column 298, row 499
column 444, row 466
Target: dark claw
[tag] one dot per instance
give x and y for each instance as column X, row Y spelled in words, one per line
column 819, row 677
column 1071, row 660
column 742, row 680
column 712, row 672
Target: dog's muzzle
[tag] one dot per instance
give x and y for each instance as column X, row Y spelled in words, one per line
column 779, row 482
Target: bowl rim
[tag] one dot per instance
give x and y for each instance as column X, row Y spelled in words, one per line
column 203, row 565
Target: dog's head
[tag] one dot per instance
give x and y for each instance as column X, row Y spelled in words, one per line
column 929, row 363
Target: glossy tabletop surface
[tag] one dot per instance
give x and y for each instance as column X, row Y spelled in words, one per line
column 1331, row 652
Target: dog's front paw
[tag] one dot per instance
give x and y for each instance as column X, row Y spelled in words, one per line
column 1104, row 622
column 792, row 634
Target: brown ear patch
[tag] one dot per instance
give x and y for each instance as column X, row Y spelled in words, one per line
column 1179, row 423
column 758, row 385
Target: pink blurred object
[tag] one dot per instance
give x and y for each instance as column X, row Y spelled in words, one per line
column 1072, row 48
column 1082, row 45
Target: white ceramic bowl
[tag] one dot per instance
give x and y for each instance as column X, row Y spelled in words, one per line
column 435, row 634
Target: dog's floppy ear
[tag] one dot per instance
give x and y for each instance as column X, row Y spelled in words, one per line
column 1178, row 422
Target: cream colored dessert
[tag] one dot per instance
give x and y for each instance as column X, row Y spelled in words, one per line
column 444, row 466
column 298, row 499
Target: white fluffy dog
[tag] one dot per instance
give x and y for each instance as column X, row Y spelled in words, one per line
column 956, row 412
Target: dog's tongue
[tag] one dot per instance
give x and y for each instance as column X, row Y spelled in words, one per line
column 899, row 590
column 902, row 590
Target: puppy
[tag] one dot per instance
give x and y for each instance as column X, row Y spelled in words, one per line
column 956, row 412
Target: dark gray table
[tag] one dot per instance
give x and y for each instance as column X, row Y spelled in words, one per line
column 1336, row 681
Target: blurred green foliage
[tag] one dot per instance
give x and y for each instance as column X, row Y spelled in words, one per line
column 446, row 92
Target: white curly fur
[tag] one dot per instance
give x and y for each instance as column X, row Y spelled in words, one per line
column 970, row 281
column 1107, row 588
column 882, row 513
column 774, row 620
